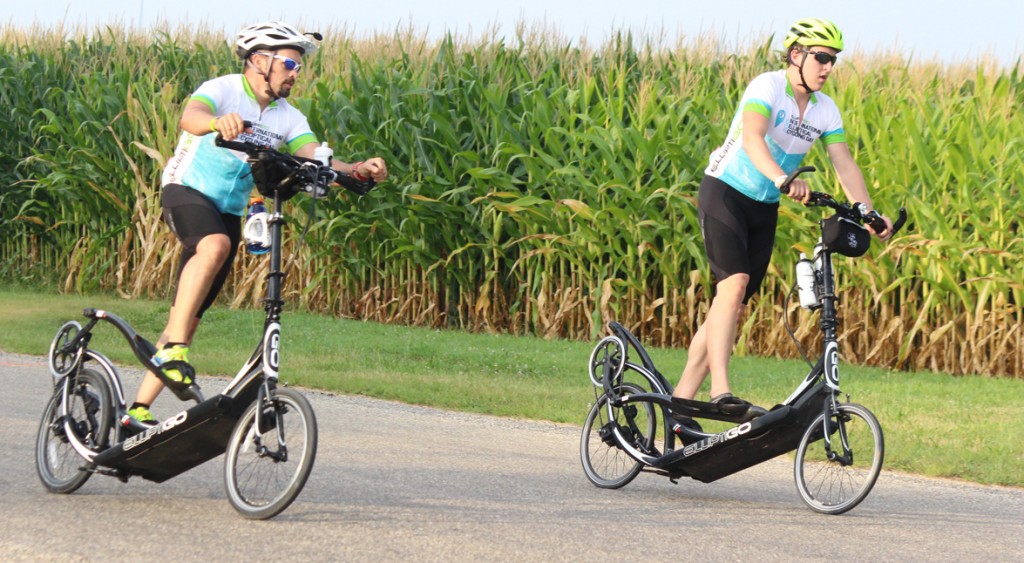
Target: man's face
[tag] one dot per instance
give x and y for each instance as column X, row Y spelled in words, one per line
column 278, row 63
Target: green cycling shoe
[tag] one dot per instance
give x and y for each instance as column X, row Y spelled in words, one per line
column 142, row 416
column 173, row 361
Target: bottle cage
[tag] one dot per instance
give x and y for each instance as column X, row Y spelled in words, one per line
column 257, row 233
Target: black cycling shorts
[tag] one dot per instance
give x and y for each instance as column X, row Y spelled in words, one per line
column 739, row 232
column 192, row 216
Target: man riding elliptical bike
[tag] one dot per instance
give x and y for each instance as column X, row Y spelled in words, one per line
column 205, row 188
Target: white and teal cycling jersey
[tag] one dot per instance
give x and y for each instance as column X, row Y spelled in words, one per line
column 223, row 175
column 789, row 138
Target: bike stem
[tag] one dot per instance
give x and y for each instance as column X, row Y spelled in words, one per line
column 829, row 317
column 275, row 278
column 829, row 324
column 830, row 354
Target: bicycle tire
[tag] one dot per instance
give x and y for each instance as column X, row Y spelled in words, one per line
column 605, row 463
column 59, row 466
column 258, row 486
column 831, row 486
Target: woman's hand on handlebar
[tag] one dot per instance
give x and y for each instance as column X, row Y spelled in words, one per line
column 799, row 190
column 794, row 187
column 880, row 225
column 871, row 222
column 230, row 126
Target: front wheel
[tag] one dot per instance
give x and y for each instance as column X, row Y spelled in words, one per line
column 835, row 477
column 605, row 462
column 265, row 472
column 88, row 423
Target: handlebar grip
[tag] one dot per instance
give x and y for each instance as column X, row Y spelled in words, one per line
column 361, row 187
column 784, row 188
column 900, row 221
column 240, row 146
column 876, row 221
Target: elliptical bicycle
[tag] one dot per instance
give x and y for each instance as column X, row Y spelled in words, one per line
column 619, row 435
column 268, row 432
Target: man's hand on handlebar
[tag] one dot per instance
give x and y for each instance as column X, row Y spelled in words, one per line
column 229, row 126
column 374, row 168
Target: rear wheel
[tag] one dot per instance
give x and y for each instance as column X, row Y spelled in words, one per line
column 89, row 423
column 605, row 462
column 835, row 478
column 265, row 472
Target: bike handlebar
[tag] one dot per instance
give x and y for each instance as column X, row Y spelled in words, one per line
column 309, row 172
column 857, row 212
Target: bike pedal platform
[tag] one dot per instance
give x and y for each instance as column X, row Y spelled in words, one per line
column 177, row 444
column 702, row 409
column 747, row 444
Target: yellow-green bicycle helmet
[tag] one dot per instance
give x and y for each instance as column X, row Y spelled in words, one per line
column 814, row 31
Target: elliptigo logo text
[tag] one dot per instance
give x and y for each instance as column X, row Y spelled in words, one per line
column 716, row 439
column 139, row 439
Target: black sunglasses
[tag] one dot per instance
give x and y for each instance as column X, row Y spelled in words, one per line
column 823, row 57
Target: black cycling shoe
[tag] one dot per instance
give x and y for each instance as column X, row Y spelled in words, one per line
column 728, row 399
column 731, row 404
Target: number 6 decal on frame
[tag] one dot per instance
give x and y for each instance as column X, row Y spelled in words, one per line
column 271, row 350
column 832, row 365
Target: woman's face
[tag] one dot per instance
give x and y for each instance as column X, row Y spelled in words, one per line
column 817, row 63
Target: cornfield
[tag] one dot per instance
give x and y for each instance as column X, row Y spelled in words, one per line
column 538, row 186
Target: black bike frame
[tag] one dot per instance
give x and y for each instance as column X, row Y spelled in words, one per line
column 142, row 453
column 708, row 457
column 265, row 359
column 828, row 363
column 713, row 456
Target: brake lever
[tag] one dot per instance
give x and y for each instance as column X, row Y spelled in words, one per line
column 240, row 146
column 820, row 199
column 322, row 178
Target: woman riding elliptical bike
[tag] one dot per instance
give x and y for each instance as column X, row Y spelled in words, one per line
column 779, row 117
column 206, row 187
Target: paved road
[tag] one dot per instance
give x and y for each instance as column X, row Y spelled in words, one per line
column 396, row 482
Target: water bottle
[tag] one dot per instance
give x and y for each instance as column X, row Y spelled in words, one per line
column 257, row 232
column 323, row 153
column 805, row 283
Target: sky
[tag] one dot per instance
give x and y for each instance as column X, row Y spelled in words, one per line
column 919, row 30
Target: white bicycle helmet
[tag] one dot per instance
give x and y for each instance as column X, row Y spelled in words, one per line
column 272, row 35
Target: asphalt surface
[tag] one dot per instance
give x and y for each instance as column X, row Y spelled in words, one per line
column 397, row 482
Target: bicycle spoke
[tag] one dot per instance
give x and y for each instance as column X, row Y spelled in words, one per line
column 828, row 484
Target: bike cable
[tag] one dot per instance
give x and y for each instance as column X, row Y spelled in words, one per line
column 789, row 327
column 314, row 195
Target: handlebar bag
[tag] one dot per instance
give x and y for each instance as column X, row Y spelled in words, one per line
column 844, row 236
column 272, row 175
